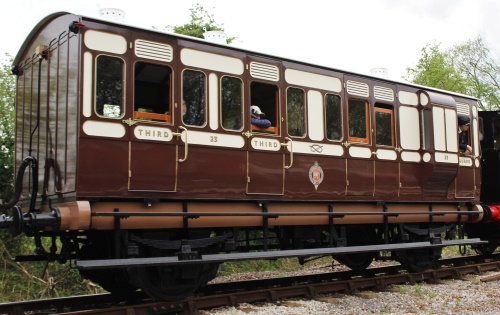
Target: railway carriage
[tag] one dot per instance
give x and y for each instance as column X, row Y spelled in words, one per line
column 135, row 148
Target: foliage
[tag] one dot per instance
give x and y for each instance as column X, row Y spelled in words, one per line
column 36, row 280
column 475, row 62
column 7, row 98
column 467, row 68
column 201, row 21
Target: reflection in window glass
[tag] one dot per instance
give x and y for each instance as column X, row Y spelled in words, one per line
column 109, row 86
column 231, row 95
column 358, row 121
column 333, row 117
column 295, row 112
column 193, row 97
column 426, row 125
column 152, row 89
column 384, row 126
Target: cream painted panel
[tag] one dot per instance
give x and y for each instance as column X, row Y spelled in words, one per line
column 87, row 84
column 409, row 128
column 439, row 130
column 384, row 154
column 315, row 115
column 265, row 144
column 213, row 139
column 204, row 60
column 107, row 42
column 410, row 156
column 465, row 161
column 451, row 130
column 213, row 108
column 317, row 148
column 153, row 133
column 360, row 152
column 424, row 100
column 313, row 80
column 104, row 129
column 408, row 98
column 427, row 157
column 475, row 139
column 443, row 157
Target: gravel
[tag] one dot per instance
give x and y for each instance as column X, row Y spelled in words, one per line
column 466, row 296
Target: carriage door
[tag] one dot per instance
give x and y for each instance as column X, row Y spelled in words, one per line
column 466, row 181
column 267, row 154
column 360, row 166
column 385, row 153
column 153, row 147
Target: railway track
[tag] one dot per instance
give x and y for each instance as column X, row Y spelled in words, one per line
column 264, row 290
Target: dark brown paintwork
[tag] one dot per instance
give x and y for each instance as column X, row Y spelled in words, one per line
column 73, row 164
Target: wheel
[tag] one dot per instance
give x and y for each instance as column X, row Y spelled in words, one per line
column 358, row 236
column 115, row 281
column 169, row 283
column 418, row 260
column 485, row 249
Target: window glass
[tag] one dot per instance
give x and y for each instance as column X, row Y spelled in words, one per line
column 358, row 121
column 333, row 117
column 193, row 97
column 295, row 109
column 426, row 127
column 152, row 85
column 231, row 96
column 109, row 86
column 384, row 126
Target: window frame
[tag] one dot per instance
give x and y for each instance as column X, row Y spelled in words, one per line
column 304, row 112
column 153, row 117
column 124, row 87
column 242, row 103
column 205, row 96
column 341, row 118
column 353, row 139
column 379, row 109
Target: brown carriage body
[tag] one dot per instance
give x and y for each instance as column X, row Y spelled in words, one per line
column 142, row 142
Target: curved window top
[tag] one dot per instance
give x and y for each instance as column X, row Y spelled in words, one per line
column 193, row 98
column 109, row 87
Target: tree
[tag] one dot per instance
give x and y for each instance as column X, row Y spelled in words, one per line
column 474, row 61
column 201, row 21
column 7, row 114
column 467, row 68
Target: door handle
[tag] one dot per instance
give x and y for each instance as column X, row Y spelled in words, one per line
column 286, row 144
column 179, row 134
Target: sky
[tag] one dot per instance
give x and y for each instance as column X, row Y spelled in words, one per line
column 354, row 35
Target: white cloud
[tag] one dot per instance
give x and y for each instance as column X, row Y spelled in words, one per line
column 354, row 35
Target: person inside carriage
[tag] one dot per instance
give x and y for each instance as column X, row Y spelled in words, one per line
column 256, row 116
column 463, row 138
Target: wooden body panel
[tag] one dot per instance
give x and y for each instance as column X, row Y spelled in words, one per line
column 161, row 156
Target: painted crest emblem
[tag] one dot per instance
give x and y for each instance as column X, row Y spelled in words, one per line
column 316, row 175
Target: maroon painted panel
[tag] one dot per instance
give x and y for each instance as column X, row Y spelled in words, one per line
column 411, row 187
column 102, row 167
column 265, row 173
column 152, row 166
column 464, row 183
column 360, row 177
column 386, row 179
column 212, row 173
